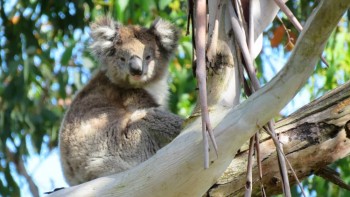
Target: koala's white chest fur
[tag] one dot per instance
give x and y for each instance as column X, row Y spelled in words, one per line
column 159, row 92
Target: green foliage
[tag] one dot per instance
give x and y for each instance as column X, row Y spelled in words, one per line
column 44, row 61
column 32, row 79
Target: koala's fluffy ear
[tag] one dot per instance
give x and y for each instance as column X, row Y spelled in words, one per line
column 167, row 34
column 105, row 33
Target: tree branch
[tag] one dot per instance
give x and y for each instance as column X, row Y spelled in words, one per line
column 201, row 74
column 332, row 175
column 21, row 169
column 311, row 136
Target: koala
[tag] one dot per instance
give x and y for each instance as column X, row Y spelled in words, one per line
column 120, row 119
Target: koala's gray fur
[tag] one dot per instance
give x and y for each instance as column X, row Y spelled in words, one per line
column 118, row 119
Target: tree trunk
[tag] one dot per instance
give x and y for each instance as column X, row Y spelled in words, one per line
column 313, row 137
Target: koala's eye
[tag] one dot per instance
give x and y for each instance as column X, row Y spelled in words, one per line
column 122, row 59
column 148, row 57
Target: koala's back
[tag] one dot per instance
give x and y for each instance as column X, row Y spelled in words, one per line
column 95, row 137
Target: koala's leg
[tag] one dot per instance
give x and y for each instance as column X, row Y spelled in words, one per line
column 147, row 131
column 162, row 126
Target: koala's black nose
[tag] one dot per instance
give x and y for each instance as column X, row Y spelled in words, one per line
column 135, row 66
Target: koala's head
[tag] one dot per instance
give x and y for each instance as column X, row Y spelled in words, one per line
column 133, row 56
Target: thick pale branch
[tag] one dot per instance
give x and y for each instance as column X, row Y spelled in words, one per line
column 312, row 137
column 263, row 14
column 176, row 169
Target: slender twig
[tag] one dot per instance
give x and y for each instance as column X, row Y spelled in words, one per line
column 289, row 14
column 240, row 37
column 281, row 160
column 249, row 177
column 201, row 16
column 251, row 28
column 248, row 92
column 258, row 158
column 200, row 70
column 290, row 39
column 189, row 16
column 294, row 21
column 279, row 149
column 295, row 175
column 19, row 163
column 213, row 36
column 249, row 183
column 240, row 15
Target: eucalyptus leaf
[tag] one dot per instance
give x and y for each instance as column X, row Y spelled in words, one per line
column 67, row 55
column 163, row 3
